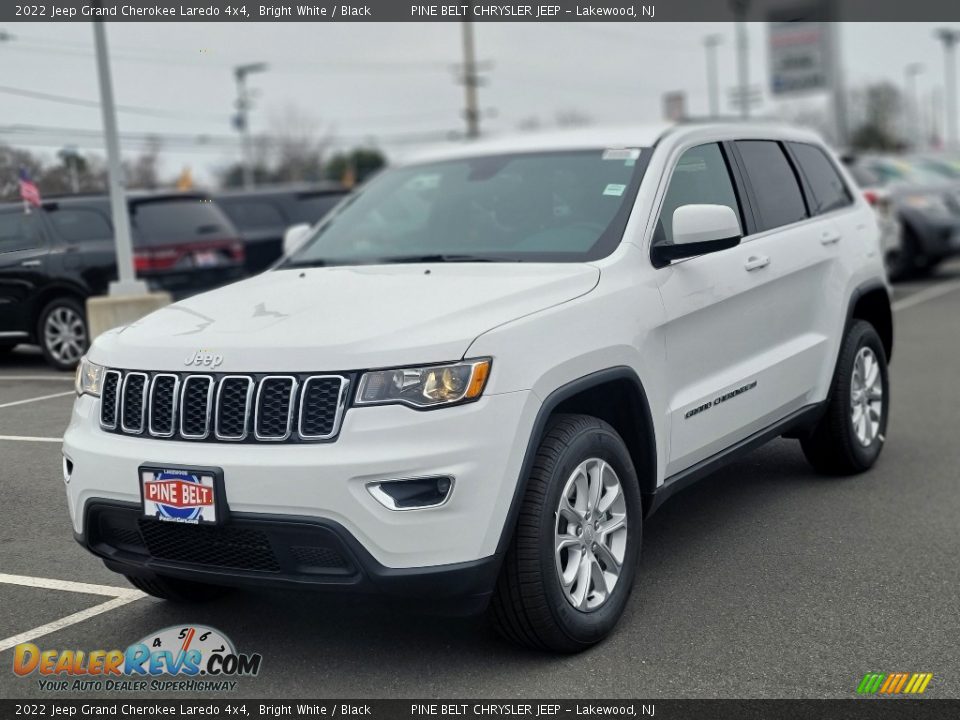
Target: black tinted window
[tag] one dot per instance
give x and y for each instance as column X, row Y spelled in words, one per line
column 700, row 178
column 311, row 208
column 177, row 220
column 828, row 188
column 253, row 214
column 774, row 183
column 80, row 225
column 19, row 231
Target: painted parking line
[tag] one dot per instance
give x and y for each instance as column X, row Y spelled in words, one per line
column 28, row 438
column 923, row 296
column 36, row 399
column 65, row 622
column 68, row 585
column 119, row 596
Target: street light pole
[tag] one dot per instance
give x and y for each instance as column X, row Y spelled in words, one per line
column 710, row 43
column 949, row 38
column 242, row 118
column 913, row 99
column 127, row 284
column 471, row 80
column 740, row 8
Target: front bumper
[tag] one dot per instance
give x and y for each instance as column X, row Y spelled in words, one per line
column 481, row 445
column 276, row 551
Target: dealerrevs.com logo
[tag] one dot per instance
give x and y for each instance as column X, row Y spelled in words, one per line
column 188, row 658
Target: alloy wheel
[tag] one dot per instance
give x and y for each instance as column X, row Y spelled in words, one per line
column 866, row 397
column 65, row 335
column 590, row 535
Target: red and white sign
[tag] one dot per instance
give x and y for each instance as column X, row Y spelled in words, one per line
column 177, row 493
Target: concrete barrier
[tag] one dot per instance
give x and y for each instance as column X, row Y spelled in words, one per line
column 110, row 311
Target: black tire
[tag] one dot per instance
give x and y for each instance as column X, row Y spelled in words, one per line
column 529, row 606
column 177, row 590
column 54, row 357
column 833, row 447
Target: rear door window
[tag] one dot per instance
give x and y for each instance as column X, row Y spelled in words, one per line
column 178, row 220
column 79, row 225
column 20, row 231
column 828, row 189
column 774, row 183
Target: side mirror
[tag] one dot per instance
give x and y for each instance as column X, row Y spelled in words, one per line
column 294, row 237
column 698, row 230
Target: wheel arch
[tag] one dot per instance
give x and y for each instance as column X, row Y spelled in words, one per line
column 871, row 302
column 48, row 294
column 615, row 395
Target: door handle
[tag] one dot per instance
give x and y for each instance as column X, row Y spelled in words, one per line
column 829, row 237
column 755, row 262
column 31, row 263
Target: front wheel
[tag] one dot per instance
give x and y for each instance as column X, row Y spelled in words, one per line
column 571, row 564
column 62, row 333
column 849, row 437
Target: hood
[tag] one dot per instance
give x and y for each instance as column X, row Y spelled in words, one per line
column 343, row 318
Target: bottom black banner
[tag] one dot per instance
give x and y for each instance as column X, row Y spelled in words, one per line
column 467, row 709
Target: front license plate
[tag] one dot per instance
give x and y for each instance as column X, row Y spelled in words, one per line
column 180, row 495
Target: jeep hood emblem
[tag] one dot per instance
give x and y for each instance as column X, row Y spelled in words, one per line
column 204, row 358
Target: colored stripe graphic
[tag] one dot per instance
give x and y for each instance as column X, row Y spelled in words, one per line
column 894, row 683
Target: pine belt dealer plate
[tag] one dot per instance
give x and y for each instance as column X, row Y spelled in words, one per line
column 183, row 495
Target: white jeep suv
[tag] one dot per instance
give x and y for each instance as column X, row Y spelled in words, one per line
column 478, row 375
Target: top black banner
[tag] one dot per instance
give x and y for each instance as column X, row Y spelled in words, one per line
column 546, row 11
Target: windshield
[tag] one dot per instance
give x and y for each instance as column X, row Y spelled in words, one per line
column 900, row 171
column 536, row 207
column 947, row 169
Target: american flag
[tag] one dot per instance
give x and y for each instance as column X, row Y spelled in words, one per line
column 28, row 190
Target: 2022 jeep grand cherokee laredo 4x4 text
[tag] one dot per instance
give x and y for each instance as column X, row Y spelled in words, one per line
column 476, row 378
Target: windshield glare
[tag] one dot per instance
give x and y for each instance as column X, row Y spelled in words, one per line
column 558, row 206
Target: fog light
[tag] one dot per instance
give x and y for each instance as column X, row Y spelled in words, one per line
column 67, row 469
column 412, row 493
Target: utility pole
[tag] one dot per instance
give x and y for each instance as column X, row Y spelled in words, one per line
column 949, row 38
column 242, row 119
column 471, row 80
column 710, row 43
column 127, row 284
column 740, row 8
column 915, row 128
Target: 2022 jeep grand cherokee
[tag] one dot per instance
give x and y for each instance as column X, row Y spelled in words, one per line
column 475, row 380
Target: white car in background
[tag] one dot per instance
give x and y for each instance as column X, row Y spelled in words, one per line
column 473, row 382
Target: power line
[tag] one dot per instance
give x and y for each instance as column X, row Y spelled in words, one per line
column 131, row 109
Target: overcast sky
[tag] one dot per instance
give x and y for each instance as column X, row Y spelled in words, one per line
column 388, row 80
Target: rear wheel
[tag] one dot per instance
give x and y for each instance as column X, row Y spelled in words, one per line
column 849, row 437
column 62, row 333
column 177, row 590
column 571, row 564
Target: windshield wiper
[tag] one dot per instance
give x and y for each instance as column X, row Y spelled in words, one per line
column 437, row 258
column 304, row 264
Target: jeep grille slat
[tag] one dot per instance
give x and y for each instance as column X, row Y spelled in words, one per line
column 220, row 407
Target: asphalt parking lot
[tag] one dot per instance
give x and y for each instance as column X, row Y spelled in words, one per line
column 764, row 580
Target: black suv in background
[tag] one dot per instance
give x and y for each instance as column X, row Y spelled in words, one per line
column 54, row 257
column 264, row 214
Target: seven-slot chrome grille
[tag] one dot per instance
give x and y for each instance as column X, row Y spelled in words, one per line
column 221, row 407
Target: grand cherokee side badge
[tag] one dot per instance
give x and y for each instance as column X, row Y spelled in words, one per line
column 719, row 399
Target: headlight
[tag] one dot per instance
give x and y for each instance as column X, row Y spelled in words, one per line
column 425, row 387
column 89, row 378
